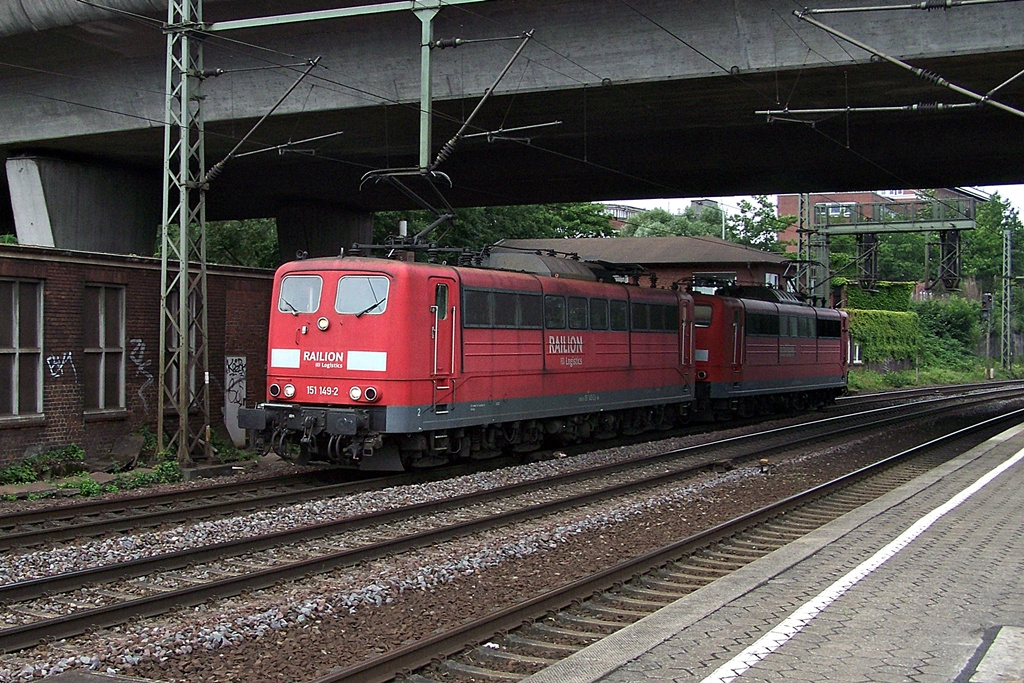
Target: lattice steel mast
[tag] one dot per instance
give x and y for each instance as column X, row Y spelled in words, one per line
column 1006, row 333
column 184, row 357
column 184, row 395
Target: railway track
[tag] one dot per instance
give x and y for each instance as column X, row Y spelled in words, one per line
column 57, row 607
column 94, row 519
column 540, row 631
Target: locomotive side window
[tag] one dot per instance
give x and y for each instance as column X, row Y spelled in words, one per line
column 639, row 317
column 554, row 312
column 787, row 326
column 671, row 318
column 531, row 311
column 764, row 324
column 476, row 309
column 504, row 309
column 829, row 328
column 577, row 313
column 657, row 318
column 702, row 315
column 599, row 314
column 361, row 295
column 300, row 294
column 806, row 327
column 618, row 315
column 510, row 310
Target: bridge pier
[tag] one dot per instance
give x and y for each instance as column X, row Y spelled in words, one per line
column 81, row 206
column 320, row 229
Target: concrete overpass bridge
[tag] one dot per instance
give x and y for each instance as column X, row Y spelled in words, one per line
column 653, row 98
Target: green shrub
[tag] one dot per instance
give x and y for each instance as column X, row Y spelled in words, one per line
column 55, row 463
column 87, row 486
column 166, row 472
column 21, row 473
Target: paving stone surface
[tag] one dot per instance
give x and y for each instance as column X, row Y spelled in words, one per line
column 930, row 613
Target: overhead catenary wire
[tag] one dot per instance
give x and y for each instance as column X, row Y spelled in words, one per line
column 924, row 74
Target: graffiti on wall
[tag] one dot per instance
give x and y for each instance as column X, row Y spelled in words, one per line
column 234, row 396
column 57, row 364
column 138, row 357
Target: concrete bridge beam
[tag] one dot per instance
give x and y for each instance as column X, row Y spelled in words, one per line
column 86, row 207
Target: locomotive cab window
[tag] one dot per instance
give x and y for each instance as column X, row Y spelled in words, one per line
column 441, row 301
column 300, row 294
column 361, row 295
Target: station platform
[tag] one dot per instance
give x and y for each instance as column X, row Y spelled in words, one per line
column 925, row 584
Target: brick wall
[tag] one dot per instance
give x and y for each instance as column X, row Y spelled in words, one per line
column 238, row 305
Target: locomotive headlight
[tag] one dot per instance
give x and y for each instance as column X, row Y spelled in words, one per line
column 371, row 394
column 322, row 324
column 289, row 390
column 355, row 393
column 275, row 390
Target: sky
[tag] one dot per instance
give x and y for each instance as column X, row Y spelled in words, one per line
column 1015, row 193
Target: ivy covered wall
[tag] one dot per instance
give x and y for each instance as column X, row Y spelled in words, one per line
column 887, row 296
column 885, row 335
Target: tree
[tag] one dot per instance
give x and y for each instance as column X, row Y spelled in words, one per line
column 693, row 222
column 474, row 228
column 983, row 249
column 251, row 243
column 757, row 225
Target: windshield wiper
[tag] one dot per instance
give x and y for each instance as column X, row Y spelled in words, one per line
column 373, row 306
column 287, row 303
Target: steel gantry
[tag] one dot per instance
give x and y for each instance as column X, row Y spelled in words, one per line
column 818, row 223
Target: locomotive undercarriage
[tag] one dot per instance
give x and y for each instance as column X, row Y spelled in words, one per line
column 347, row 438
column 318, row 435
column 761, row 405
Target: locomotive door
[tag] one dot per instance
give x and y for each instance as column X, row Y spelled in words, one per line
column 737, row 344
column 443, row 337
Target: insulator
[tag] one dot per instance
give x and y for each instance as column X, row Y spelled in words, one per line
column 446, row 42
column 930, row 76
column 937, row 4
column 446, row 151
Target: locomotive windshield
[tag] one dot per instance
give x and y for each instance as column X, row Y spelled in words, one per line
column 361, row 295
column 300, row 294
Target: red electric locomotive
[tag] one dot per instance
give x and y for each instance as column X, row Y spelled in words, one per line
column 386, row 365
column 760, row 350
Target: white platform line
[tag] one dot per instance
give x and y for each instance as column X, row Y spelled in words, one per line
column 792, row 625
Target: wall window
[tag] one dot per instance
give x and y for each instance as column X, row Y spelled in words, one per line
column 21, row 348
column 103, row 328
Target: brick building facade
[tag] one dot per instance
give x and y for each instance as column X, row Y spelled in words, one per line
column 79, row 343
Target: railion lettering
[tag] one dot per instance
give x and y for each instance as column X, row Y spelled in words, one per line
column 564, row 343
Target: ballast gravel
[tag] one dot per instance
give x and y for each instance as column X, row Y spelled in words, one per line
column 300, row 630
